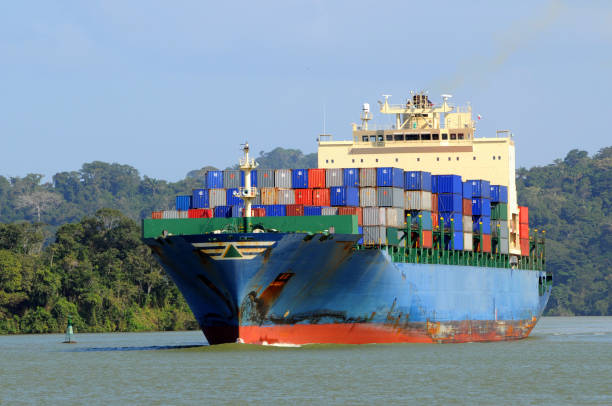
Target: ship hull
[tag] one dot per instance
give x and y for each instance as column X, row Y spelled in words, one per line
column 298, row 289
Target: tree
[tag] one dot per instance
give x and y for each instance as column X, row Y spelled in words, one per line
column 40, row 201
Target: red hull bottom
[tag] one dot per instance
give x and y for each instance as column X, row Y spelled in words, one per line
column 368, row 333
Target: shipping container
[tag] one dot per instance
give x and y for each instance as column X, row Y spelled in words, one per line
column 454, row 241
column 374, row 235
column 425, row 217
column 434, row 202
column 390, row 177
column 268, row 195
column 435, row 220
column 499, row 228
column 504, row 246
column 499, row 211
column 231, row 179
column 426, row 239
column 312, row 210
column 417, row 200
column 320, row 197
column 253, row 178
column 157, row 215
column 299, row 178
column 467, row 223
column 344, row 196
column 351, row 177
column 466, row 208
column 368, row 197
column 295, row 210
column 258, row 212
column 214, row 180
column 217, row 197
column 237, row 211
column 390, row 197
column 329, row 211
column 481, row 207
column 523, row 214
column 183, row 202
column 394, row 217
column 334, row 177
column 468, row 241
column 282, row 178
column 223, row 211
column 183, row 214
column 199, row 199
column 480, row 188
column 486, row 224
column 355, row 211
column 417, row 180
column 285, row 196
column 454, row 218
column 303, row 196
column 275, row 210
column 450, row 203
column 265, row 178
column 524, row 243
column 467, row 190
column 524, row 230
column 367, row 177
column 499, row 194
column 316, row 178
column 374, row 216
column 200, row 213
column 449, row 184
column 434, row 184
column 233, row 197
column 484, row 244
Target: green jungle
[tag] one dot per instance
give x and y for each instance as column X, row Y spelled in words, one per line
column 71, row 247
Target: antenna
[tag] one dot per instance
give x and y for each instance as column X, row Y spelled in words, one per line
column 324, row 108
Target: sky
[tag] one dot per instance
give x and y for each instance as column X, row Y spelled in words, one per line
column 168, row 87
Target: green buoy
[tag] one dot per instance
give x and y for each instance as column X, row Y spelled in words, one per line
column 69, row 333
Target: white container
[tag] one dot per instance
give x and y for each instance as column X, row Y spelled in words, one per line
column 374, row 216
column 394, row 217
column 183, row 214
column 374, row 235
column 329, row 211
column 468, row 241
column 367, row 197
column 417, row 200
column 367, row 177
column 170, row 214
column 334, row 177
column 217, row 197
column 265, row 178
column 285, row 196
column 231, row 179
column 504, row 246
column 467, row 225
column 282, row 178
column 390, row 197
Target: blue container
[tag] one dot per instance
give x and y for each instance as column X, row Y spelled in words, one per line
column 275, row 210
column 450, row 184
column 450, row 203
column 480, row 188
column 312, row 210
column 237, row 211
column 199, row 199
column 232, row 200
column 344, row 196
column 457, row 219
column 458, row 241
column 417, row 180
column 467, row 190
column 425, row 216
column 481, row 206
column 499, row 194
column 360, row 231
column 214, row 180
column 299, row 178
column 253, row 178
column 434, row 183
column 486, row 224
column 183, row 202
column 350, row 176
column 223, row 211
column 393, row 177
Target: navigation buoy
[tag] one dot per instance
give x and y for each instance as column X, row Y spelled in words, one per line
column 69, row 333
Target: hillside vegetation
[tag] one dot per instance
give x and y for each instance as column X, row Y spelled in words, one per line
column 72, row 246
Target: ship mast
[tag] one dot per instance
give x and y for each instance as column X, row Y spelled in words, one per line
column 247, row 193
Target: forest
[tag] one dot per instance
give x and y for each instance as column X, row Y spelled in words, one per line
column 72, row 246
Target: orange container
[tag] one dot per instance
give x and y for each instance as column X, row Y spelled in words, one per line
column 268, row 195
column 467, row 207
column 427, row 239
column 258, row 212
column 200, row 213
column 485, row 243
column 523, row 214
column 316, row 178
column 435, row 219
column 295, row 210
column 524, row 230
column 303, row 196
column 320, row 197
column 157, row 215
column 524, row 242
column 358, row 211
column 434, row 202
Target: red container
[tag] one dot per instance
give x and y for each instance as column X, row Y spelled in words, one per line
column 524, row 230
column 435, row 219
column 320, row 197
column 426, row 239
column 358, row 211
column 485, row 243
column 523, row 214
column 295, row 210
column 524, row 242
column 257, row 212
column 200, row 213
column 434, row 202
column 157, row 215
column 467, row 207
column 316, row 178
column 303, row 196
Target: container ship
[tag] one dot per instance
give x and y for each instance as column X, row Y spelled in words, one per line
column 410, row 233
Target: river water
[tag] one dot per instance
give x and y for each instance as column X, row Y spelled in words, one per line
column 564, row 361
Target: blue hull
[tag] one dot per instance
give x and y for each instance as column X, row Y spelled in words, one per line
column 290, row 288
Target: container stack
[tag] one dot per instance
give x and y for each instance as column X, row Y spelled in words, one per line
column 468, row 235
column 450, row 206
column 524, row 230
column 481, row 213
column 499, row 218
column 418, row 203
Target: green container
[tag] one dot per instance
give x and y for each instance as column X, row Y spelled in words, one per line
column 499, row 211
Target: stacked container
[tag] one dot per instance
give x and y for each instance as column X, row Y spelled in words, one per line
column 524, row 230
column 265, row 178
column 499, row 217
column 450, row 195
column 418, row 202
column 231, row 179
column 481, row 212
column 200, row 199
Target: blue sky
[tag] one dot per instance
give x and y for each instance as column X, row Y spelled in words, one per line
column 172, row 86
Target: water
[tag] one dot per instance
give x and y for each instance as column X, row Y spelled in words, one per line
column 565, row 361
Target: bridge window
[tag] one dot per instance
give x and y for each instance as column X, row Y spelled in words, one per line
column 474, row 158
column 457, row 158
column 396, row 160
column 453, row 136
column 499, row 157
column 398, row 137
column 444, row 136
column 372, row 138
column 460, row 136
column 435, row 137
column 327, row 161
column 364, row 138
column 412, row 137
column 381, row 138
column 437, row 158
column 418, row 159
column 361, row 160
column 426, row 137
column 353, row 161
column 389, row 137
column 449, row 158
column 494, row 157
